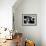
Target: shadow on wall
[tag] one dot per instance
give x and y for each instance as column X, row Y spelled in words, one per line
column 28, row 7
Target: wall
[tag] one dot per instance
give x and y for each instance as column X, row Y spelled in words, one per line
column 28, row 7
column 43, row 22
column 6, row 13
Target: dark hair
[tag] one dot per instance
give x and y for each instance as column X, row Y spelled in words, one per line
column 34, row 44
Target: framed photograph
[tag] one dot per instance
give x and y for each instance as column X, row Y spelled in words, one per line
column 29, row 19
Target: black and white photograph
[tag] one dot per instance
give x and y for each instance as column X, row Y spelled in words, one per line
column 29, row 19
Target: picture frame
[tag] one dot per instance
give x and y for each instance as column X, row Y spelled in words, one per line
column 29, row 19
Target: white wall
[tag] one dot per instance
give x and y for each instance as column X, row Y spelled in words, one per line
column 6, row 13
column 28, row 7
column 43, row 22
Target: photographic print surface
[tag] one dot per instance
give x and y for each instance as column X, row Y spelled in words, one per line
column 29, row 19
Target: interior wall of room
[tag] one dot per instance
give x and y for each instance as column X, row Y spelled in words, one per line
column 43, row 22
column 28, row 7
column 6, row 13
